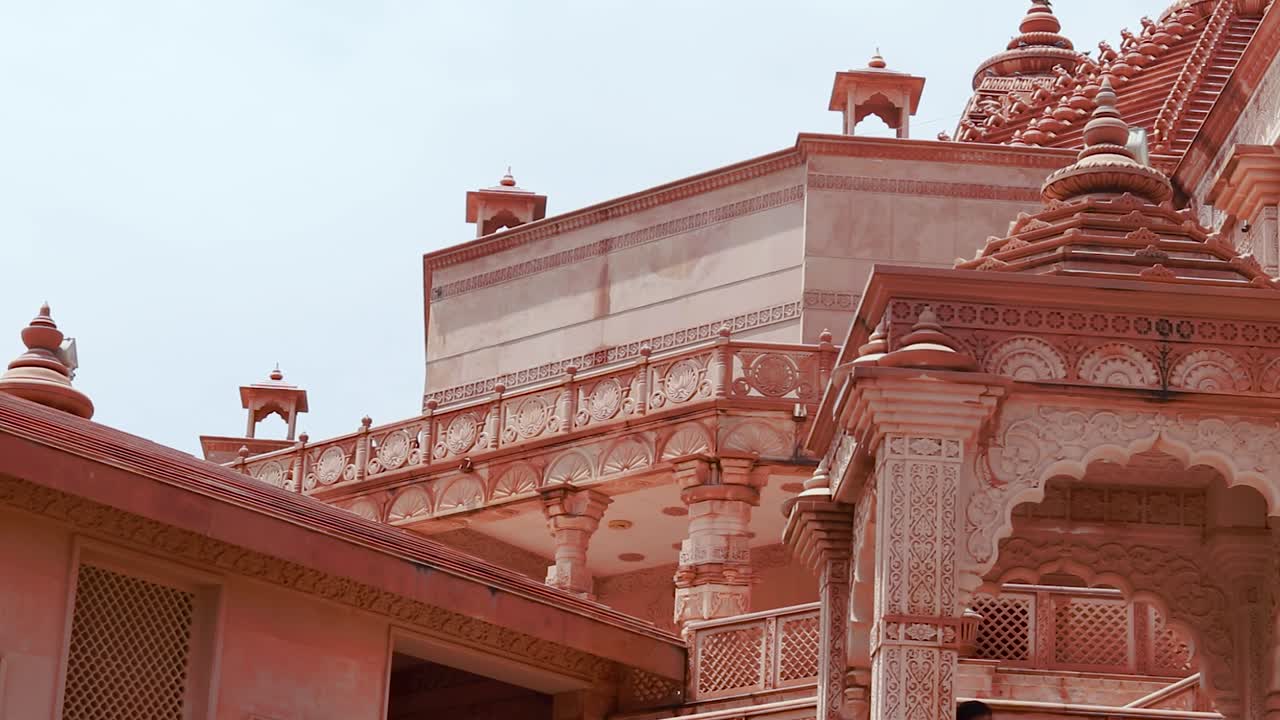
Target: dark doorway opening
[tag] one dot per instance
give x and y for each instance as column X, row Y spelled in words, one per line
column 425, row 690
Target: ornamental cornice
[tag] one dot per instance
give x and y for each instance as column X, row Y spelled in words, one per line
column 595, row 214
column 903, row 401
column 935, row 188
column 183, row 545
column 615, row 243
column 934, row 151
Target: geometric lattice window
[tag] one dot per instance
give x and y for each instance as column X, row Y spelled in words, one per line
column 731, row 660
column 130, row 649
column 1170, row 652
column 798, row 648
column 1092, row 632
column 1005, row 632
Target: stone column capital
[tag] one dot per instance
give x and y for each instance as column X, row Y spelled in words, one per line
column 819, row 530
column 933, row 403
column 562, row 502
column 573, row 515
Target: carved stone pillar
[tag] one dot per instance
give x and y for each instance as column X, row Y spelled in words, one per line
column 573, row 515
column 1240, row 556
column 920, row 429
column 820, row 534
column 714, row 576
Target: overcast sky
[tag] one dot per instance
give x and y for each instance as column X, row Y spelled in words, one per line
column 203, row 189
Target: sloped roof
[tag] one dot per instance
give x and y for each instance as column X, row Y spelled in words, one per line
column 67, row 454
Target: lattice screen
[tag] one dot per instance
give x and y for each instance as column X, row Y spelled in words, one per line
column 1092, row 632
column 1169, row 651
column 731, row 660
column 130, row 641
column 1005, row 632
column 798, row 645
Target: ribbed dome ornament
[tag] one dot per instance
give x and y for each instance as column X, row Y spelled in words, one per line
column 40, row 374
column 1106, row 165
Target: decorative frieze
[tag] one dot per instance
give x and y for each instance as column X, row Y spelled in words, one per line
column 904, row 186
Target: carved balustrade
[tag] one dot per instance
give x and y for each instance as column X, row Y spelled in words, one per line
column 1175, row 105
column 458, row 435
column 754, row 653
column 1076, row 629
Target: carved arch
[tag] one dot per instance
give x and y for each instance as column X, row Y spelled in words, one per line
column 1032, row 444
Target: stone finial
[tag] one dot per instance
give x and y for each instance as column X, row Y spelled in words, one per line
column 276, row 374
column 1106, row 165
column 1040, row 19
column 875, row 347
column 41, row 373
column 928, row 346
column 507, row 180
column 877, row 61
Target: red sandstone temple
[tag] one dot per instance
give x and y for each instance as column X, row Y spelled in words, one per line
column 752, row 444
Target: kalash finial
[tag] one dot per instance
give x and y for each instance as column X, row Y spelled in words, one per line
column 1106, row 165
column 1040, row 18
column 40, row 374
column 877, row 61
column 276, row 374
column 507, row 180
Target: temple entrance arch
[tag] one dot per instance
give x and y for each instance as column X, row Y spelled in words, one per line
column 1170, row 508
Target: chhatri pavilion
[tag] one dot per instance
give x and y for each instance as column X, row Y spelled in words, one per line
column 856, row 429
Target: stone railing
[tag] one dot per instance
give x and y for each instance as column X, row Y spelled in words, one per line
column 1189, row 79
column 1078, row 629
column 456, row 435
column 754, row 653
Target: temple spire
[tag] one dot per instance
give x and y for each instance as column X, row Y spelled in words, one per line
column 42, row 374
column 1035, row 51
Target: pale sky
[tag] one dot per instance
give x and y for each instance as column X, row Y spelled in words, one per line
column 203, row 189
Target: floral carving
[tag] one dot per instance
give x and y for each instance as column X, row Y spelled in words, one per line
column 273, row 473
column 516, row 480
column 757, row 436
column 330, row 466
column 365, row 508
column 572, row 467
column 772, row 375
column 460, row 492
column 410, row 503
column 1209, row 370
column 682, row 380
column 459, row 436
column 688, row 439
column 1118, row 364
column 394, row 449
column 604, row 401
column 1026, row 358
column 531, row 417
column 625, row 456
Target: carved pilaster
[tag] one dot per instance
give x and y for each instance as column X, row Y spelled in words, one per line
column 573, row 516
column 713, row 579
column 820, row 534
column 1240, row 557
column 921, row 429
